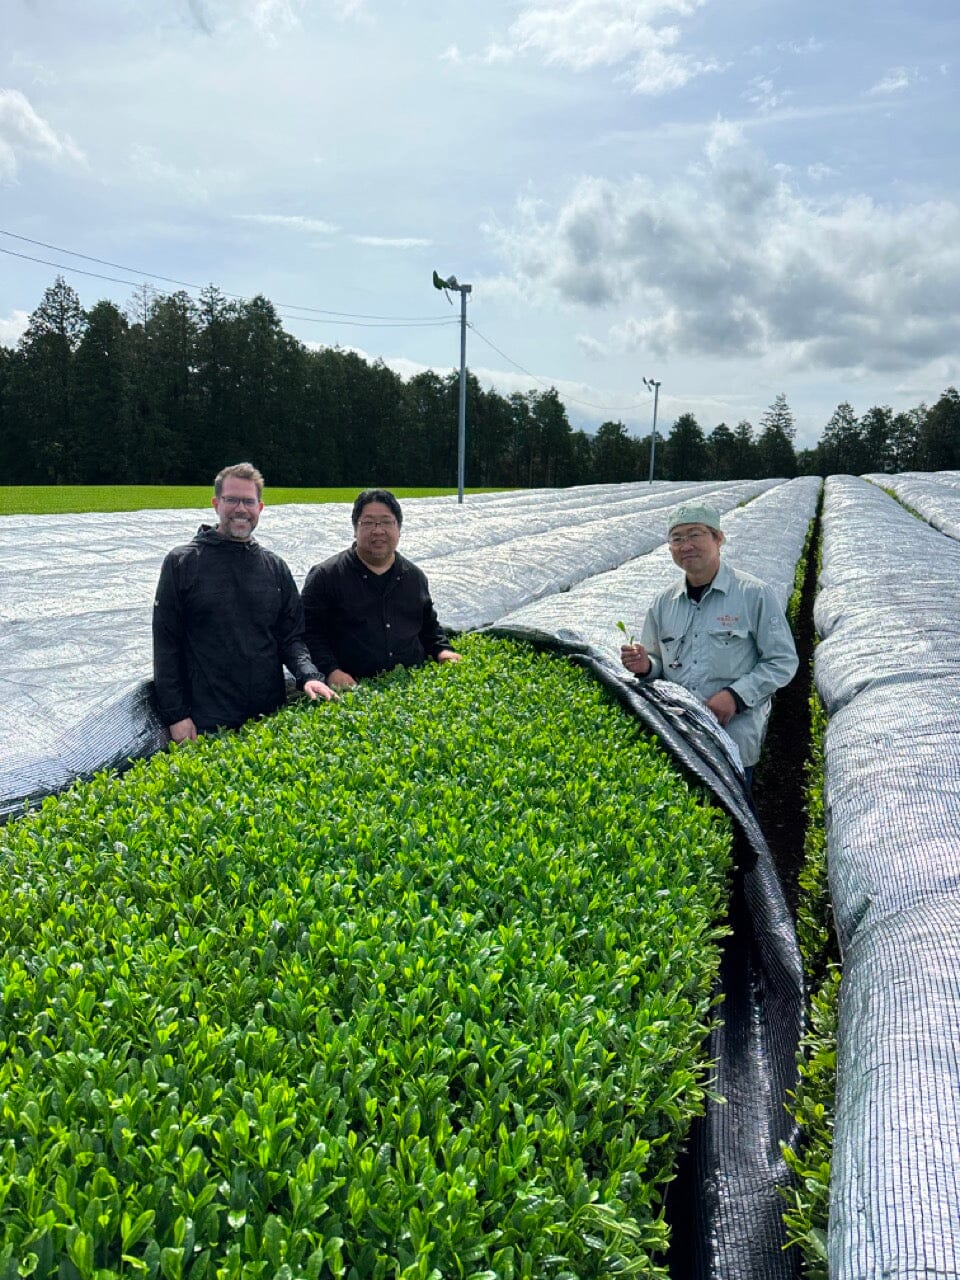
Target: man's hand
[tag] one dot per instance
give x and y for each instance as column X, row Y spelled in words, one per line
column 636, row 659
column 449, row 655
column 317, row 689
column 183, row 731
column 723, row 705
column 338, row 679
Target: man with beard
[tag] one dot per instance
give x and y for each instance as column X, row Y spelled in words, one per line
column 226, row 618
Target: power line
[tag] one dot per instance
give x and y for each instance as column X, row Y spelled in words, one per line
column 332, row 317
column 316, row 315
column 185, row 284
column 604, row 408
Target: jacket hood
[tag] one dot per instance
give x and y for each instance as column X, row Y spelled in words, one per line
column 207, row 534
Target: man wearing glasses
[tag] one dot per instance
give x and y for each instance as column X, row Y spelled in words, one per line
column 719, row 632
column 226, row 618
column 368, row 609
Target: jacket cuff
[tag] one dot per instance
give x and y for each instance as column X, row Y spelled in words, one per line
column 741, row 705
column 174, row 716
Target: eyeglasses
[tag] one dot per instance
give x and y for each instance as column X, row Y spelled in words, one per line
column 388, row 522
column 678, row 539
column 250, row 504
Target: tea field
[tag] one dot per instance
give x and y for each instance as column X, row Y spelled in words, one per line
column 343, row 995
column 419, row 984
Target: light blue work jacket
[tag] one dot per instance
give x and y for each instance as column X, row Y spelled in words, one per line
column 736, row 637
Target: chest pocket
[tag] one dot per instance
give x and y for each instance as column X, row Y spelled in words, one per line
column 730, row 652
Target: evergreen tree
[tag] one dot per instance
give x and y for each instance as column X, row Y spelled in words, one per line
column 722, row 453
column 515, row 444
column 42, row 392
column 177, row 388
column 263, row 361
column 875, row 430
column 425, row 399
column 615, row 455
column 809, row 462
column 12, row 462
column 841, row 448
column 492, row 424
column 171, row 346
column 686, row 450
column 644, row 446
column 581, row 460
column 745, row 451
column 938, row 443
column 443, row 438
column 774, row 451
column 102, row 444
column 780, row 417
column 548, row 438
column 905, row 437
column 216, row 441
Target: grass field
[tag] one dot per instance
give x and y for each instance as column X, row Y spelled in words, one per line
column 54, row 499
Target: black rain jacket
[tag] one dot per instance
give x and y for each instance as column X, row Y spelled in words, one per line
column 353, row 624
column 226, row 618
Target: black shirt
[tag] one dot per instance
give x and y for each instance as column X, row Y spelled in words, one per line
column 364, row 622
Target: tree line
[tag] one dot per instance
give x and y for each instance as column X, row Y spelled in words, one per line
column 167, row 390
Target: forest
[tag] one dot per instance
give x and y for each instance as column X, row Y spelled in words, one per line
column 169, row 388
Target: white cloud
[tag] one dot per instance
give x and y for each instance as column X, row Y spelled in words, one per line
column 314, row 226
column 761, row 94
column 585, row 34
column 270, row 18
column 152, row 170
column 497, row 54
column 392, row 242
column 591, row 347
column 451, row 54
column 354, row 10
column 810, row 45
column 820, row 172
column 13, row 328
column 895, row 81
column 24, row 132
column 724, row 136
column 733, row 261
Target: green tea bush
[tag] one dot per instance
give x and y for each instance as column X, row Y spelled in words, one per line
column 814, row 1102
column 412, row 985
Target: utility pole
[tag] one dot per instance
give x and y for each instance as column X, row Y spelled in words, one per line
column 463, row 289
column 653, row 386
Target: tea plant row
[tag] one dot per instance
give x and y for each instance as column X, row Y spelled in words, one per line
column 413, row 985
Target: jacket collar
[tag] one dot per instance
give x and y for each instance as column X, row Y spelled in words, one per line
column 399, row 564
column 721, row 582
column 207, row 533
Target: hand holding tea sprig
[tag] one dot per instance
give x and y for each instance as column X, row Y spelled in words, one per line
column 634, row 656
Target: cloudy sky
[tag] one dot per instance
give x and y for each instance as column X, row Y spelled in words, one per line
column 735, row 198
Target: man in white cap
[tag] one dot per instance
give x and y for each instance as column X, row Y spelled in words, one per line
column 719, row 632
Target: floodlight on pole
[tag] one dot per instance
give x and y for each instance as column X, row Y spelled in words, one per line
column 652, row 385
column 451, row 283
